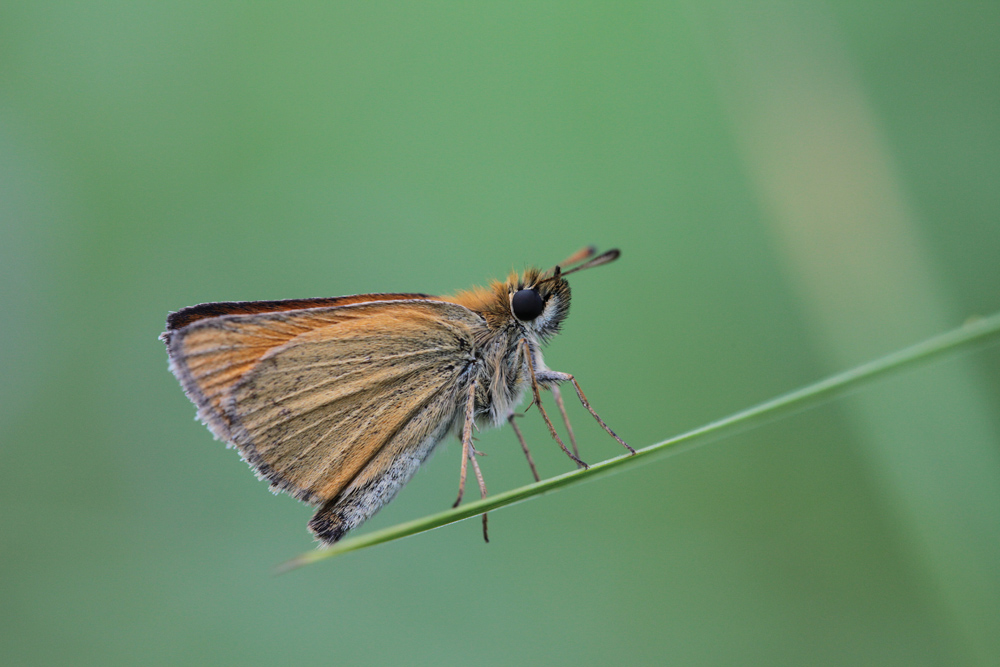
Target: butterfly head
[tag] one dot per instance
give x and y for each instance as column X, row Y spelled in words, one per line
column 536, row 301
column 539, row 301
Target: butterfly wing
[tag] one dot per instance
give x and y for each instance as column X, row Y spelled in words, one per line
column 320, row 399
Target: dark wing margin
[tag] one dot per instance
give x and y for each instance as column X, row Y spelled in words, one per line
column 191, row 314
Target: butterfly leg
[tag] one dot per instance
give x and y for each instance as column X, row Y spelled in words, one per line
column 556, row 394
column 469, row 454
column 482, row 490
column 524, row 446
column 554, row 376
column 470, row 406
column 538, row 402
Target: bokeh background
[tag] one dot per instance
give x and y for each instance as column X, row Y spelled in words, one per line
column 796, row 188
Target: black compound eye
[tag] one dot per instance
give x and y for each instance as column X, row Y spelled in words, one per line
column 527, row 304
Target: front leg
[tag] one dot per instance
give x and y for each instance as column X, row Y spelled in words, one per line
column 553, row 378
column 538, row 401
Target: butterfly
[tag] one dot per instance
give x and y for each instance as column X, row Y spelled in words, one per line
column 337, row 401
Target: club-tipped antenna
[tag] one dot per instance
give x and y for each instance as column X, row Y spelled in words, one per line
column 583, row 253
column 603, row 258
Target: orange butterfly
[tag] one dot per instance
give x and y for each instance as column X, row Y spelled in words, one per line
column 337, row 401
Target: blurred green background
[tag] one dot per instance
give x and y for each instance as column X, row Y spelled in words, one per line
column 796, row 188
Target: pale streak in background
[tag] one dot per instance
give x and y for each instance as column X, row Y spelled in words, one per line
column 867, row 286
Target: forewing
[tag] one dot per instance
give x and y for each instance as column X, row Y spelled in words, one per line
column 311, row 397
column 211, row 355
